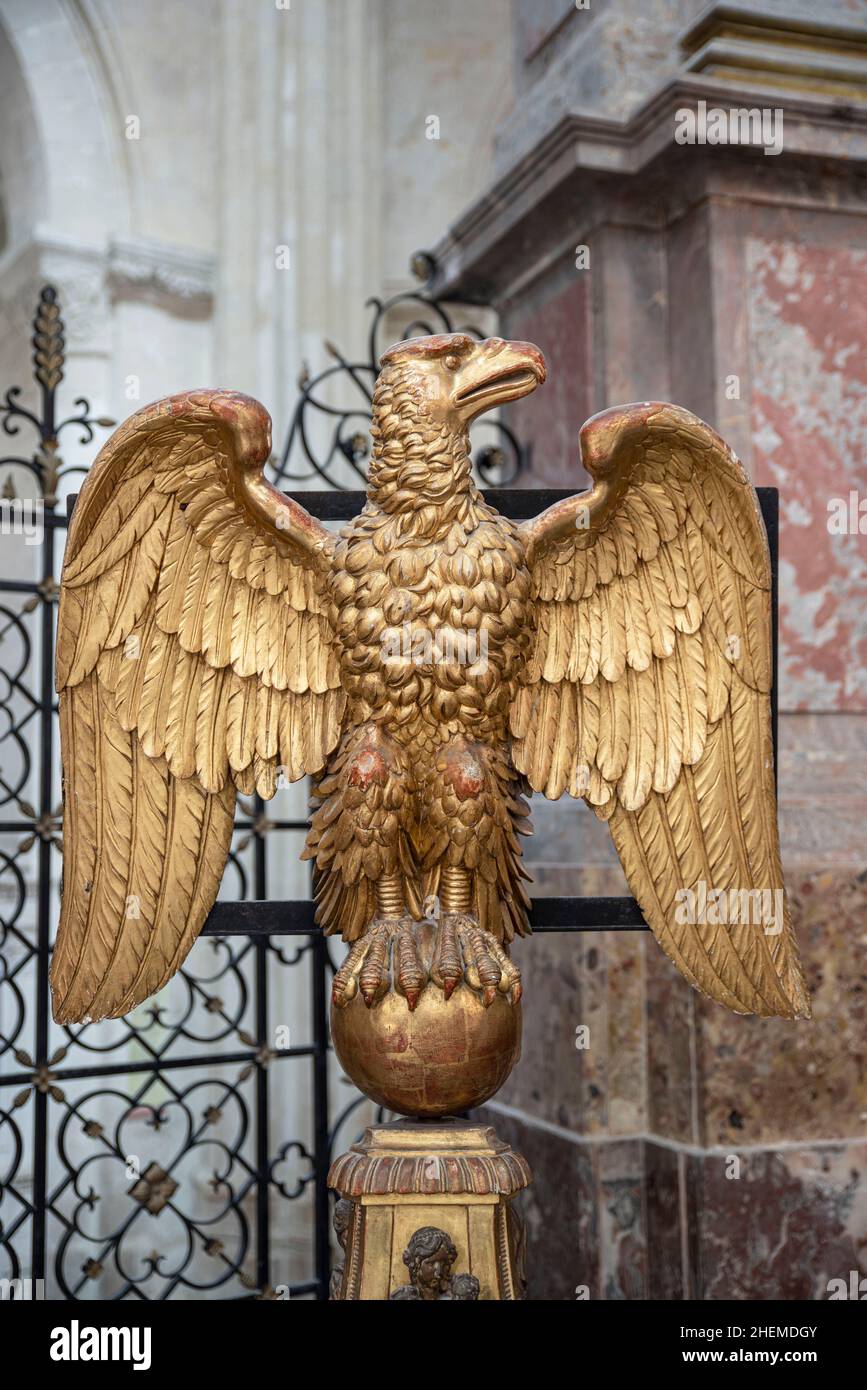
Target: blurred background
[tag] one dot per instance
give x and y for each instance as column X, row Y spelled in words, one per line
column 214, row 195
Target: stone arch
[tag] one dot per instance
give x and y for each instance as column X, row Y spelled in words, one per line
column 63, row 164
column 22, row 170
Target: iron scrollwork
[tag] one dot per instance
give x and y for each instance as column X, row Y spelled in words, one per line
column 142, row 1159
column 328, row 440
column 49, row 357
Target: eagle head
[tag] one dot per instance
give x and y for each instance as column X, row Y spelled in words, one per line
column 455, row 378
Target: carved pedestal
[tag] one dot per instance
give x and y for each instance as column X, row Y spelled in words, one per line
column 425, row 1213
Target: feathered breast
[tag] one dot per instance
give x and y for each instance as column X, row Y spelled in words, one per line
column 432, row 626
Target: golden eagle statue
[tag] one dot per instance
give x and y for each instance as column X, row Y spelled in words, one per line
column 428, row 665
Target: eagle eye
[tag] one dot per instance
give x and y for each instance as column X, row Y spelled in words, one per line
column 452, row 362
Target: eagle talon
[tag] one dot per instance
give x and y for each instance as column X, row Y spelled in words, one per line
column 374, row 970
column 408, row 973
column 386, row 957
column 464, row 950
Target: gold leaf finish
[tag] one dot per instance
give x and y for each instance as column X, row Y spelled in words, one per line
column 429, row 665
column 648, row 692
column 429, row 1199
column 188, row 587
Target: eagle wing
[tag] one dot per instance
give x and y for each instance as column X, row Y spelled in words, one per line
column 648, row 693
column 194, row 660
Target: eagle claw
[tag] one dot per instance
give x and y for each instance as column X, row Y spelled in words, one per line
column 387, row 955
column 464, row 950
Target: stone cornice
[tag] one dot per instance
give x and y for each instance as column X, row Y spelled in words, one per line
column 180, row 278
column 154, row 267
column 585, row 154
column 820, row 55
column 823, row 31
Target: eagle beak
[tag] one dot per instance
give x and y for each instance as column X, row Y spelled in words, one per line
column 497, row 372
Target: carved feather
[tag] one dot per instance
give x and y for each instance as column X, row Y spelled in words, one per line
column 172, row 669
column 666, row 599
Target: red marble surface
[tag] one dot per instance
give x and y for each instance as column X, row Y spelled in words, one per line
column 588, row 982
column 799, row 1218
column 551, row 418
column 766, row 1080
column 808, row 348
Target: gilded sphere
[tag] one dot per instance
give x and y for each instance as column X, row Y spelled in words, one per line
column 444, row 1057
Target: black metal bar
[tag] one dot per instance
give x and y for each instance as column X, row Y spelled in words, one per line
column 516, row 503
column 43, row 925
column 160, row 1063
column 321, row 1146
column 769, row 501
column 294, row 917
column 586, row 914
column 263, row 1238
column 513, row 502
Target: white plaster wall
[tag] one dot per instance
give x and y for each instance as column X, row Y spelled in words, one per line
column 452, row 60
